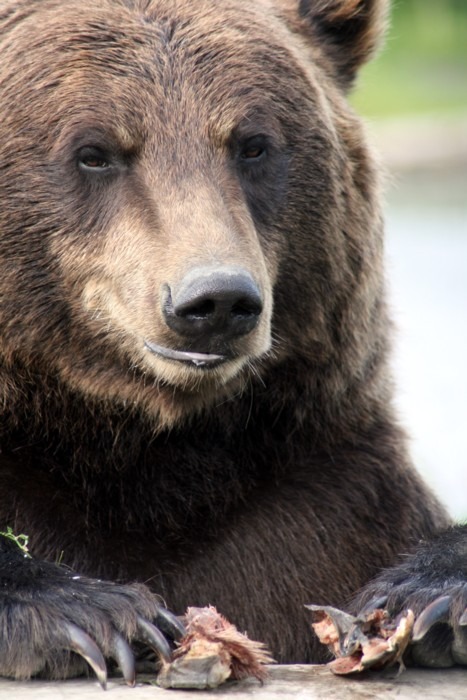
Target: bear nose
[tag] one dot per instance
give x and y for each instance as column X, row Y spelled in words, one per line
column 223, row 302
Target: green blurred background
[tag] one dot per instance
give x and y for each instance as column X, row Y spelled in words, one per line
column 423, row 65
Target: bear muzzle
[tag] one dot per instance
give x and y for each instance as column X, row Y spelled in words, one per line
column 209, row 309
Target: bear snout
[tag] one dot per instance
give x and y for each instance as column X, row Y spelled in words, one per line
column 213, row 303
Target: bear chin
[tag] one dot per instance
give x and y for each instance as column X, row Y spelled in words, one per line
column 168, row 392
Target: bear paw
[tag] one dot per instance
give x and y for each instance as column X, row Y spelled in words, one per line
column 55, row 624
column 438, row 638
column 377, row 638
column 416, row 611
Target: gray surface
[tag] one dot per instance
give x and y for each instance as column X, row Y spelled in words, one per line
column 301, row 682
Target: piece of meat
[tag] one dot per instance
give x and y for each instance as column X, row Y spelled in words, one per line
column 373, row 640
column 212, row 651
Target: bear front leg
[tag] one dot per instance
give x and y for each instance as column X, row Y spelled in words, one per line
column 432, row 583
column 54, row 623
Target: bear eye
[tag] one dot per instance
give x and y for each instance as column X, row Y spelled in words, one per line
column 253, row 148
column 93, row 159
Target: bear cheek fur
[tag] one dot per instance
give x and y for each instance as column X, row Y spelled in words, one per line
column 329, row 308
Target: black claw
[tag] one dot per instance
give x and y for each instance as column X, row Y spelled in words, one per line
column 170, row 624
column 82, row 644
column 374, row 604
column 150, row 635
column 124, row 657
column 437, row 611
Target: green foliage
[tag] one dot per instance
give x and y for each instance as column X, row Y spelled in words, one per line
column 423, row 66
column 20, row 540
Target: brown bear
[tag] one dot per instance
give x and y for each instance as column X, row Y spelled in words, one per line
column 194, row 382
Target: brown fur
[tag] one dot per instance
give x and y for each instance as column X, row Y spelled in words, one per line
column 280, row 476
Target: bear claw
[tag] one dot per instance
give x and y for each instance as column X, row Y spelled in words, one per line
column 437, row 611
column 81, row 643
column 170, row 624
column 125, row 659
column 150, row 635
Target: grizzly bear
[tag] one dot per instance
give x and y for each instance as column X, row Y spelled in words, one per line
column 195, row 394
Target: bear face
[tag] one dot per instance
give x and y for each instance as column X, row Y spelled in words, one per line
column 197, row 190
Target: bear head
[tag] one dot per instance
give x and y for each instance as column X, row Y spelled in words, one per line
column 187, row 198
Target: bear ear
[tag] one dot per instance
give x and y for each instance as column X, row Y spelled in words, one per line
column 349, row 31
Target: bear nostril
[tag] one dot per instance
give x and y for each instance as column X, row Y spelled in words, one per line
column 246, row 308
column 202, row 310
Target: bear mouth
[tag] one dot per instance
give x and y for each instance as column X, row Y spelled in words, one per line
column 198, row 359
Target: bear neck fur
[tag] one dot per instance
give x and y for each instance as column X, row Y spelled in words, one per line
column 231, row 446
